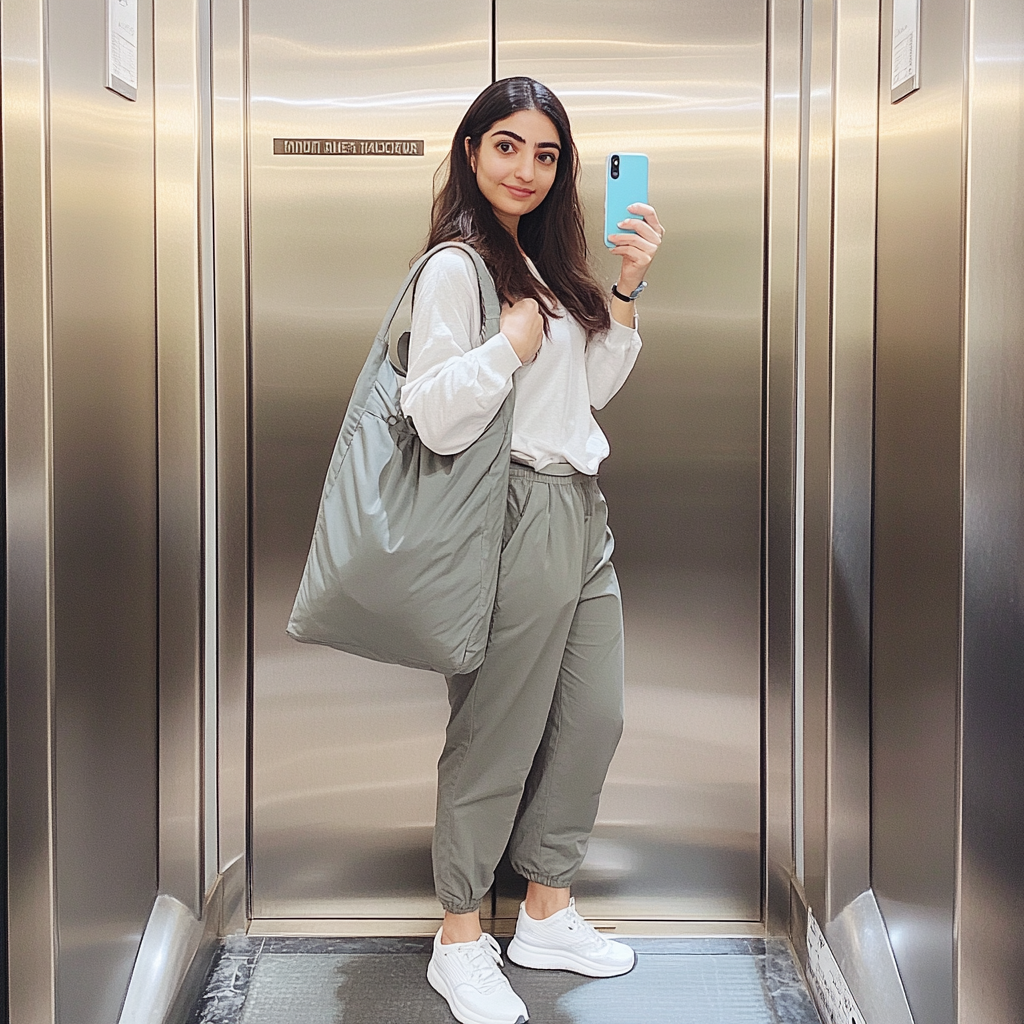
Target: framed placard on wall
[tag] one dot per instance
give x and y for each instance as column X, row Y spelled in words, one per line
column 122, row 47
column 906, row 42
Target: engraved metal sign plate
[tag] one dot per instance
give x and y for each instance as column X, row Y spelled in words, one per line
column 348, row 147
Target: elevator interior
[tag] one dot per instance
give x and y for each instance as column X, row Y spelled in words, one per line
column 343, row 750
column 816, row 484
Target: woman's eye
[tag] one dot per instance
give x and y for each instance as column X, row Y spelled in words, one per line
column 505, row 147
column 547, row 158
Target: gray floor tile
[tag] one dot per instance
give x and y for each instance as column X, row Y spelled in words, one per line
column 226, row 990
column 785, row 985
column 375, row 988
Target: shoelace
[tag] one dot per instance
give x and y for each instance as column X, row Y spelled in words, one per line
column 588, row 934
column 482, row 960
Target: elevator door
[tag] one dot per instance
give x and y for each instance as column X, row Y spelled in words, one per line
column 344, row 750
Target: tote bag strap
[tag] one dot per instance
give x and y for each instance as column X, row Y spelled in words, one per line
column 398, row 348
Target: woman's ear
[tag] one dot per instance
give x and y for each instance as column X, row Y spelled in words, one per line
column 469, row 156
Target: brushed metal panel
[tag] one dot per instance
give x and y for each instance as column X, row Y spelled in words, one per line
column 210, row 499
column 31, row 921
column 361, row 927
column 990, row 929
column 172, row 939
column 344, row 750
column 785, row 76
column 231, row 258
column 858, row 938
column 178, row 951
column 917, row 512
column 855, row 78
column 179, row 429
column 104, row 513
column 814, row 440
column 679, row 833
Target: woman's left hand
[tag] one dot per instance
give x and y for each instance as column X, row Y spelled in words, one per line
column 637, row 250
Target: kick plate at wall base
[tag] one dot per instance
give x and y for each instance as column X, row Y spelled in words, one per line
column 363, row 927
column 828, row 986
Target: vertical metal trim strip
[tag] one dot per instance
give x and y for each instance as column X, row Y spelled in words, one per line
column 765, row 242
column 230, row 247
column 816, row 440
column 494, row 40
column 250, row 555
column 799, row 844
column 209, row 419
column 783, row 171
column 179, row 404
column 852, row 299
column 29, row 490
column 967, row 137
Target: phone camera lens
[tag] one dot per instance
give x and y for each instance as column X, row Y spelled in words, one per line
column 615, row 166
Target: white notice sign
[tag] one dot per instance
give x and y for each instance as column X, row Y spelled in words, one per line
column 122, row 47
column 906, row 38
column 831, row 992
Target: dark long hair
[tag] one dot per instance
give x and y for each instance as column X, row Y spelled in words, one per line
column 551, row 235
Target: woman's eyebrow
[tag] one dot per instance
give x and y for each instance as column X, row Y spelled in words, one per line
column 519, row 138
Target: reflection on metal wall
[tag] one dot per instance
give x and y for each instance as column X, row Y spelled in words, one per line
column 81, row 485
column 679, row 830
column 28, row 586
column 855, row 106
column 231, row 261
column 916, row 598
column 990, row 936
column 814, row 435
column 343, row 749
column 104, row 513
column 784, row 134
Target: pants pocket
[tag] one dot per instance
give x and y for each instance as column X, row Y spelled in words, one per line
column 519, row 491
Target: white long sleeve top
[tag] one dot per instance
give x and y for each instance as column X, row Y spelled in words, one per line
column 455, row 386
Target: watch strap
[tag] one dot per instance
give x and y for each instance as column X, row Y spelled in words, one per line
column 631, row 297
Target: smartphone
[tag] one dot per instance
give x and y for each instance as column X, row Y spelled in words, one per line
column 625, row 183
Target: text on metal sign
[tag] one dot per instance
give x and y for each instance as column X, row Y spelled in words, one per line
column 349, row 147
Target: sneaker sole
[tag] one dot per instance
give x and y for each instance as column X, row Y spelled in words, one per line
column 560, row 960
column 459, row 1012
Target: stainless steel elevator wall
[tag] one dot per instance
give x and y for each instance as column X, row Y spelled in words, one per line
column 343, row 749
column 104, row 514
column 679, row 830
column 990, row 925
column 917, row 512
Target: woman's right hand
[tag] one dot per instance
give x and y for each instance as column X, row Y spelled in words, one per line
column 523, row 325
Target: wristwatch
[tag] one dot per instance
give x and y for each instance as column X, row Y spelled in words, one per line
column 631, row 297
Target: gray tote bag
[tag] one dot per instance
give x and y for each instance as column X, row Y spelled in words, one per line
column 403, row 565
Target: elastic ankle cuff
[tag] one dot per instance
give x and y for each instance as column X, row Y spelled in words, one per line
column 461, row 908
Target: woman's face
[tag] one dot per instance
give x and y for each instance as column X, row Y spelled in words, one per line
column 515, row 164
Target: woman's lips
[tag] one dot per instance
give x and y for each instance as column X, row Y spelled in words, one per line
column 519, row 193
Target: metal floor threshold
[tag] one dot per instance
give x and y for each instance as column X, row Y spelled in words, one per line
column 382, row 981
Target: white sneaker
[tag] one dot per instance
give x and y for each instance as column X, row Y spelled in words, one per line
column 566, row 942
column 467, row 975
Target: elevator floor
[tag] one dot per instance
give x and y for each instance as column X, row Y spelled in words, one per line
column 382, row 981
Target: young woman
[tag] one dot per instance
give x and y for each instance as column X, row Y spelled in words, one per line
column 533, row 730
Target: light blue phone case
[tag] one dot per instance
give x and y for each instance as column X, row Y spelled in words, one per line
column 628, row 188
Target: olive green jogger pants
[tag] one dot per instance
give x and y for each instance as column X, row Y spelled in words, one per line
column 532, row 731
